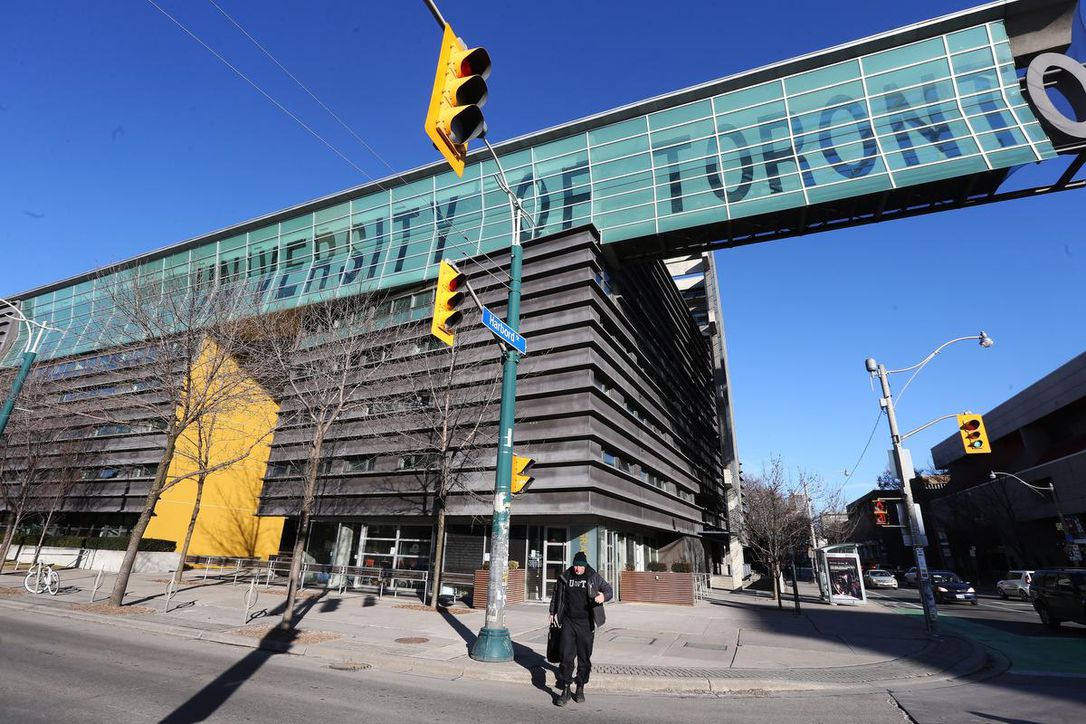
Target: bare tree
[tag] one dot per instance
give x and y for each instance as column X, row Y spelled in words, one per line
column 329, row 360
column 190, row 340
column 449, row 429
column 38, row 459
column 775, row 523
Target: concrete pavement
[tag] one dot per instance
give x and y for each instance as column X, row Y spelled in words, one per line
column 730, row 643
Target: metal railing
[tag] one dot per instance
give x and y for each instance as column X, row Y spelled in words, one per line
column 276, row 571
column 702, row 586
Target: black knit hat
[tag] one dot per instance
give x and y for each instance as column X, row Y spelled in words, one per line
column 580, row 559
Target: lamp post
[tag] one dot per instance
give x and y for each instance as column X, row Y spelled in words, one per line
column 904, row 467
column 34, row 333
column 995, row 475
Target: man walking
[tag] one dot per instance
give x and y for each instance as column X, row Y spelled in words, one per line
column 577, row 606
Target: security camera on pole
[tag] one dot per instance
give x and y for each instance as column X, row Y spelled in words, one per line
column 903, row 465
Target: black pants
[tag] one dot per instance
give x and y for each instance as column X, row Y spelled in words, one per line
column 576, row 643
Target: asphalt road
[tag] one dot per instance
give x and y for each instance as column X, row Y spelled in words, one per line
column 54, row 669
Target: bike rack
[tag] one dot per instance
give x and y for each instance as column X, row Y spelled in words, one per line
column 251, row 597
column 97, row 585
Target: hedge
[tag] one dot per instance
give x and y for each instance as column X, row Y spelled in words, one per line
column 113, row 543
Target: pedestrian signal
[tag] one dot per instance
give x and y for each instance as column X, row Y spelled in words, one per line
column 881, row 516
column 521, row 478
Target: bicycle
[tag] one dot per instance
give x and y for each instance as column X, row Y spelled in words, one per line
column 42, row 578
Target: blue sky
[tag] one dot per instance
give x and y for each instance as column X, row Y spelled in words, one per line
column 122, row 134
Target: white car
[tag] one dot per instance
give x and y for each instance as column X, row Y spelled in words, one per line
column 878, row 578
column 1015, row 583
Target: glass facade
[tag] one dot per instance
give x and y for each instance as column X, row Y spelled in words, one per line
column 933, row 109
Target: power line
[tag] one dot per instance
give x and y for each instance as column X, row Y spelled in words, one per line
column 869, row 439
column 311, row 94
column 264, row 93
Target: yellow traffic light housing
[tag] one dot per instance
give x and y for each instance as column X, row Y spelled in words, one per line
column 521, row 478
column 974, row 436
column 450, row 280
column 455, row 116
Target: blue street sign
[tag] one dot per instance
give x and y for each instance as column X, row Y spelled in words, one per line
column 504, row 332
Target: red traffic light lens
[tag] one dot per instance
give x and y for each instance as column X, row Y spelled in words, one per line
column 971, row 425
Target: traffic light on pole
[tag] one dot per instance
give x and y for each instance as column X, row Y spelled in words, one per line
column 974, row 436
column 521, row 478
column 450, row 280
column 455, row 116
column 881, row 516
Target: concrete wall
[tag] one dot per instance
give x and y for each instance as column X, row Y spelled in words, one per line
column 94, row 560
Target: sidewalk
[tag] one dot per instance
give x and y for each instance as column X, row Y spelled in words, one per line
column 735, row 642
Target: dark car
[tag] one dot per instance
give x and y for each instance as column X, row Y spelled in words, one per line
column 948, row 587
column 1058, row 595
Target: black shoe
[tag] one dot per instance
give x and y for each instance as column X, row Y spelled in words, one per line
column 564, row 698
column 578, row 695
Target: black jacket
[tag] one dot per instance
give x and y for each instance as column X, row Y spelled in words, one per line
column 596, row 584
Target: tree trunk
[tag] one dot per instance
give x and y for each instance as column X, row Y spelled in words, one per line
column 120, row 585
column 44, row 531
column 188, row 532
column 439, row 555
column 303, row 532
column 14, row 518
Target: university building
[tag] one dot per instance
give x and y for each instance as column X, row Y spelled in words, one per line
column 624, row 398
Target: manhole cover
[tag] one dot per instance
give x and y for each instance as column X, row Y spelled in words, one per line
column 348, row 666
column 412, row 640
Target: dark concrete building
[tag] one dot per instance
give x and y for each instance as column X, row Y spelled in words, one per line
column 1038, row 437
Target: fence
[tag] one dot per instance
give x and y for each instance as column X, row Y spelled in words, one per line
column 276, row 571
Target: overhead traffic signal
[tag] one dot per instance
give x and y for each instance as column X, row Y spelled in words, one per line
column 450, row 280
column 521, row 478
column 455, row 116
column 881, row 516
column 974, row 436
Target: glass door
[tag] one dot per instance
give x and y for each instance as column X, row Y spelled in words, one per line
column 534, row 575
column 554, row 558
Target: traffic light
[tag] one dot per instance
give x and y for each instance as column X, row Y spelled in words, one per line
column 448, row 297
column 881, row 516
column 455, row 116
column 521, row 478
column 974, row 436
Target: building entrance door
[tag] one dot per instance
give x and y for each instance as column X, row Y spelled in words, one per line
column 554, row 557
column 533, row 577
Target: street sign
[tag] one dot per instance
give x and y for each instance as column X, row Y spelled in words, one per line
column 504, row 332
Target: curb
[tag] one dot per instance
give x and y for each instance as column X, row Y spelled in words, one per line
column 739, row 683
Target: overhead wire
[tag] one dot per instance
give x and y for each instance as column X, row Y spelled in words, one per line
column 267, row 95
column 860, row 459
column 309, row 92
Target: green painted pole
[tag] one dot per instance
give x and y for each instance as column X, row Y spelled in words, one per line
column 9, row 404
column 494, row 643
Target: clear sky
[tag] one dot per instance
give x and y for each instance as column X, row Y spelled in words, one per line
column 122, row 134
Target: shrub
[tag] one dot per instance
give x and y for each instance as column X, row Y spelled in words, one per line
column 629, row 566
column 681, row 567
column 513, row 565
column 656, row 566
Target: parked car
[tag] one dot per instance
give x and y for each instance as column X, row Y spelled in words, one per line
column 1058, row 595
column 948, row 587
column 1015, row 583
column 878, row 578
column 910, row 576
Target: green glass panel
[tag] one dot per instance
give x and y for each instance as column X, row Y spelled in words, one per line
column 906, row 55
column 972, row 60
column 822, row 77
column 967, row 39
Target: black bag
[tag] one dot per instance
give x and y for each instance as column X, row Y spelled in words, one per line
column 554, row 645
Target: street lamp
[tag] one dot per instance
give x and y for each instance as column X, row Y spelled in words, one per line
column 34, row 333
column 904, row 465
column 995, row 474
